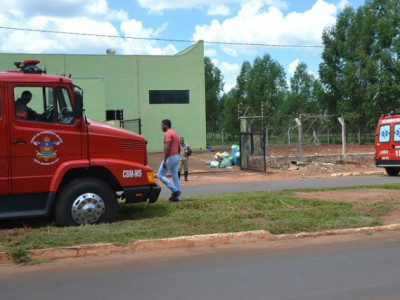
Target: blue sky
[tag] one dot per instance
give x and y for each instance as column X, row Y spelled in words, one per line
column 266, row 22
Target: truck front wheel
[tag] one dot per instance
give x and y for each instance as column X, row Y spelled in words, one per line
column 392, row 171
column 85, row 201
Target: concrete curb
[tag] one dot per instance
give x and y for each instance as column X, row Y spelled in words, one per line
column 358, row 173
column 204, row 240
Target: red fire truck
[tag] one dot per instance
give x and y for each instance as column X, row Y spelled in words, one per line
column 387, row 144
column 53, row 160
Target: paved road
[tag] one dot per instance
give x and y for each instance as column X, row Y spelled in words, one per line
column 280, row 185
column 343, row 267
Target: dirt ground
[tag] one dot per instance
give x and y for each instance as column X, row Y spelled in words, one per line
column 200, row 172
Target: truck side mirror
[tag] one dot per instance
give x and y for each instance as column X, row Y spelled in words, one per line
column 78, row 105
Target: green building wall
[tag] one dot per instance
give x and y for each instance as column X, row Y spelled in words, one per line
column 123, row 82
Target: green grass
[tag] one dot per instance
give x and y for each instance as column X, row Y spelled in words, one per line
column 277, row 212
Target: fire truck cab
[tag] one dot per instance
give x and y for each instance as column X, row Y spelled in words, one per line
column 53, row 160
column 387, row 144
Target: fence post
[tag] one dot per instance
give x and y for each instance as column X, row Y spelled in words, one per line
column 298, row 122
column 341, row 121
column 328, row 136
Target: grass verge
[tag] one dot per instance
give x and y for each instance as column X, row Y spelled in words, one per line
column 277, row 212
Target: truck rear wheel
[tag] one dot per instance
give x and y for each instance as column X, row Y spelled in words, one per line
column 392, row 171
column 85, row 201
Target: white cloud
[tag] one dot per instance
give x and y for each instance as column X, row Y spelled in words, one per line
column 159, row 6
column 219, row 9
column 214, row 7
column 118, row 15
column 292, row 66
column 97, row 7
column 61, row 8
column 257, row 22
column 231, row 51
column 210, row 52
column 135, row 28
column 230, row 72
column 75, row 16
column 278, row 4
column 343, row 3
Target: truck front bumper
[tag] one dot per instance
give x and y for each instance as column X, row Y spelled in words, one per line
column 387, row 163
column 136, row 194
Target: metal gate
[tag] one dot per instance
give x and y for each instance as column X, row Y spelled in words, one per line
column 252, row 144
column 134, row 125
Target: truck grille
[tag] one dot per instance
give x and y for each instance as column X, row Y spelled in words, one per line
column 131, row 145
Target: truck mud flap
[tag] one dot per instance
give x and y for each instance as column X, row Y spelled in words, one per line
column 154, row 193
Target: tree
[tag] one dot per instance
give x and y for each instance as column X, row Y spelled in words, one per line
column 242, row 81
column 360, row 71
column 233, row 101
column 266, row 86
column 304, row 95
column 333, row 57
column 214, row 85
column 261, row 85
column 230, row 113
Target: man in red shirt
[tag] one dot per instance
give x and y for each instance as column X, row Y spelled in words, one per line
column 170, row 161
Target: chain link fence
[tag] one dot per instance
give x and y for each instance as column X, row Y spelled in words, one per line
column 258, row 133
column 316, row 129
column 134, row 125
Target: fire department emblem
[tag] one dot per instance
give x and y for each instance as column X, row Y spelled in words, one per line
column 46, row 143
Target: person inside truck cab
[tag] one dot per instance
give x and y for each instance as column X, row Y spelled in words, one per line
column 22, row 111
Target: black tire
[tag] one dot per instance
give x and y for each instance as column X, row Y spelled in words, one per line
column 392, row 171
column 85, row 201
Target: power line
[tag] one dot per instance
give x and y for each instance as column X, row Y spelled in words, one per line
column 161, row 39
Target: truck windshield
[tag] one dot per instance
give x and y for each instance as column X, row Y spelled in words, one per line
column 65, row 114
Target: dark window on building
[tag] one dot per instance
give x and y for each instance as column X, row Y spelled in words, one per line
column 114, row 114
column 169, row 97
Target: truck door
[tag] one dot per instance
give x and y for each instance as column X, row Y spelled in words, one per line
column 43, row 136
column 4, row 176
column 396, row 141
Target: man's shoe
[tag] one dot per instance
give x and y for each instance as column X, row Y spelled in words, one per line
column 175, row 194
